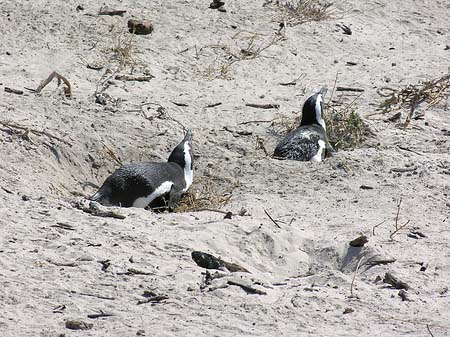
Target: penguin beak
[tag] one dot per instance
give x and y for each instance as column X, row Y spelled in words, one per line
column 188, row 136
column 323, row 91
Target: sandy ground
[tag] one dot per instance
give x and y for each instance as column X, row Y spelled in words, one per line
column 52, row 255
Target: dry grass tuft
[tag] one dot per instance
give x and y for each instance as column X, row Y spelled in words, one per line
column 205, row 193
column 296, row 12
column 345, row 127
column 123, row 50
column 245, row 46
column 430, row 91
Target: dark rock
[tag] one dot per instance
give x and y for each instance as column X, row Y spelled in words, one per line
column 140, row 27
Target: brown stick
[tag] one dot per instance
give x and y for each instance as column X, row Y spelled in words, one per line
column 212, row 105
column 251, row 122
column 153, row 299
column 13, row 91
column 349, row 89
column 137, row 78
column 67, row 88
column 263, row 106
column 429, row 330
column 105, row 11
column 401, row 170
column 12, row 125
column 373, row 228
column 100, row 314
column 354, row 275
column 267, row 213
column 247, row 288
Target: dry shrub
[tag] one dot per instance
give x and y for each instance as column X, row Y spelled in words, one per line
column 123, row 49
column 345, row 127
column 205, row 193
column 295, row 12
column 430, row 91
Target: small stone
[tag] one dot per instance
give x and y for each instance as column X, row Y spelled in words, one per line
column 216, row 4
column 25, row 197
column 78, row 325
column 222, row 9
column 348, row 310
column 404, row 295
column 140, row 27
column 140, row 333
column 359, row 241
column 394, row 64
column 99, row 99
column 228, row 215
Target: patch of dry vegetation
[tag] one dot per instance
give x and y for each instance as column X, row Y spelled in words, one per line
column 244, row 46
column 431, row 91
column 345, row 127
column 204, row 194
column 296, row 12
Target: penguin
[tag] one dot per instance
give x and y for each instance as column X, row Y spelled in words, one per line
column 139, row 184
column 308, row 142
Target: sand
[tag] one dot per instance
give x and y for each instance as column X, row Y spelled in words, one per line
column 58, row 263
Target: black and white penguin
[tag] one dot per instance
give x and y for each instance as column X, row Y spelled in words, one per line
column 139, row 184
column 308, row 142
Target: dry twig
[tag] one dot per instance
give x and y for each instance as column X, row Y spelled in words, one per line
column 430, row 91
column 67, row 88
column 397, row 227
column 11, row 125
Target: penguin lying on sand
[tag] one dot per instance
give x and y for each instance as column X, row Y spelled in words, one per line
column 138, row 184
column 309, row 142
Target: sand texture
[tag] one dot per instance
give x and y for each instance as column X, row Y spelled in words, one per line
column 291, row 222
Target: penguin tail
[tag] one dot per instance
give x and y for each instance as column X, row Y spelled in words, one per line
column 100, row 198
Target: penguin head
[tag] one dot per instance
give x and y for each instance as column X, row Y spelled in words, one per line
column 182, row 153
column 312, row 112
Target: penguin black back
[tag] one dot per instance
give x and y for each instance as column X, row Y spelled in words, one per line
column 309, row 142
column 138, row 184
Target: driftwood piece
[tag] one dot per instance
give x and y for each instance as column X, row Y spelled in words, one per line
column 153, row 299
column 63, row 226
column 270, row 217
column 349, row 89
column 359, row 241
column 132, row 271
column 107, row 11
column 11, row 125
column 375, row 262
column 395, row 282
column 78, row 325
column 263, row 106
column 212, row 105
column 67, row 88
column 99, row 315
column 249, row 289
column 209, row 261
column 13, row 91
column 95, row 210
column 137, row 78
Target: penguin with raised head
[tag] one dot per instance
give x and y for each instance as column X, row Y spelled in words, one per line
column 139, row 184
column 308, row 142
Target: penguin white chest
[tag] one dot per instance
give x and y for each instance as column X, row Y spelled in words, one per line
column 162, row 189
column 318, row 156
